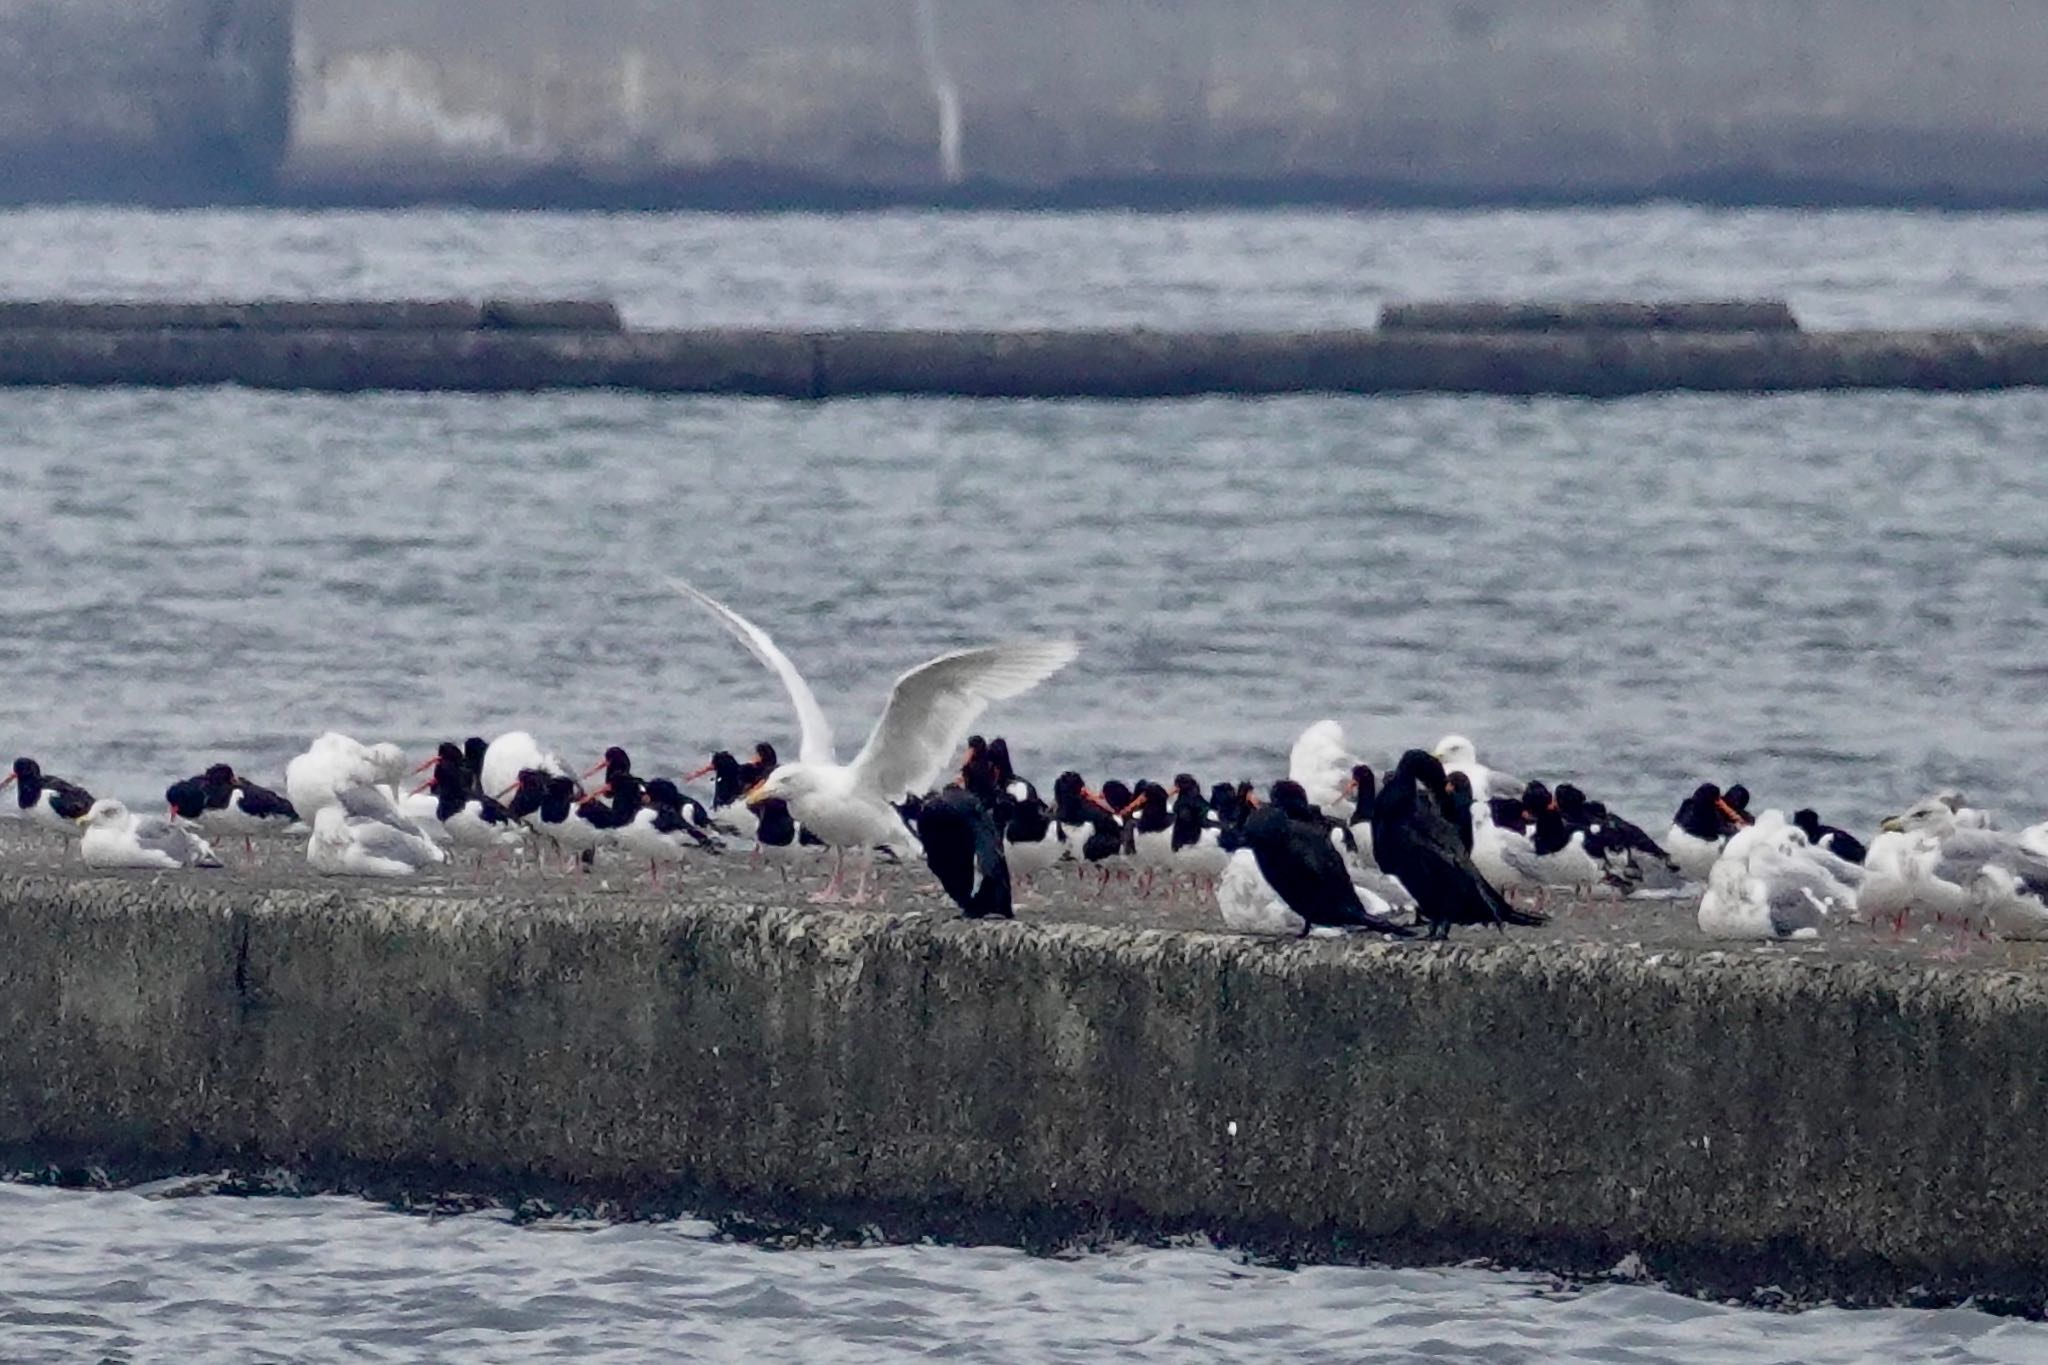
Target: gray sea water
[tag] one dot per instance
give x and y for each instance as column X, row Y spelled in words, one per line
column 129, row 1277
column 1836, row 598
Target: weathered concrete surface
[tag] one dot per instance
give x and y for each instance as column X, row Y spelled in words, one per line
column 314, row 315
column 484, row 361
column 1711, row 315
column 1080, row 364
column 1861, row 1129
column 1078, row 101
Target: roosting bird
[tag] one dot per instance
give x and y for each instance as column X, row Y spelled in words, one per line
column 1416, row 841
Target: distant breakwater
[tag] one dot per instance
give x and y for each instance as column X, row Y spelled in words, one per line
column 1593, row 350
column 1857, row 1129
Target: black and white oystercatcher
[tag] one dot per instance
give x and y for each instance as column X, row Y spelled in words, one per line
column 50, row 802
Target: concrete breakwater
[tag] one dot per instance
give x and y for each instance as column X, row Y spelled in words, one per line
column 312, row 315
column 567, row 344
column 1855, row 1128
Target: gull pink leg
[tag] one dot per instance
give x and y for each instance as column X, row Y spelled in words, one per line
column 831, row 891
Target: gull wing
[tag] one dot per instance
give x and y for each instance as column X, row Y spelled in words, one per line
column 159, row 835
column 815, row 742
column 933, row 706
column 1519, row 853
column 383, row 841
column 370, row 803
column 1966, row 852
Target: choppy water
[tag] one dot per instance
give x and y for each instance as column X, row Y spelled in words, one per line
column 1836, row 598
column 1293, row 268
column 92, row 1275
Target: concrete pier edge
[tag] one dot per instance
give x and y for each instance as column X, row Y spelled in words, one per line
column 1108, row 364
column 1739, row 1120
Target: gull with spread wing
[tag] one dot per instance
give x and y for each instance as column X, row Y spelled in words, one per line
column 930, row 710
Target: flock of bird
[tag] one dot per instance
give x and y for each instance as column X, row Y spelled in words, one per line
column 1443, row 841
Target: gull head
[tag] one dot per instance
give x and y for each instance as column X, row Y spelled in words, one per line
column 105, row 811
column 1931, row 815
column 1456, row 751
column 388, row 762
column 789, row 782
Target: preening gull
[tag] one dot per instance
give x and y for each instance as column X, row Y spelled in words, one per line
column 1322, row 766
column 348, row 845
column 1770, row 883
column 512, row 753
column 335, row 763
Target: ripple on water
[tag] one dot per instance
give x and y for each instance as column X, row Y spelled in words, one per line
column 333, row 1279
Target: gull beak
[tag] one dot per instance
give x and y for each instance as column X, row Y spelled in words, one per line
column 1733, row 814
column 1133, row 806
column 756, row 794
column 699, row 773
column 81, row 819
column 429, row 761
column 594, row 771
column 1892, row 824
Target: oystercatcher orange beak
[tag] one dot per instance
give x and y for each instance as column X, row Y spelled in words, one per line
column 429, row 761
column 692, row 777
column 1133, row 806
